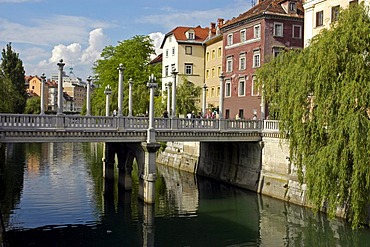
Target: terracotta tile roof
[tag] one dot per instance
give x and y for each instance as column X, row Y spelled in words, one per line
column 274, row 7
column 157, row 59
column 180, row 34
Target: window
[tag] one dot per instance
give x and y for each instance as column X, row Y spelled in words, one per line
column 191, row 35
column 256, row 59
column 276, row 51
column 188, row 50
column 219, row 52
column 319, row 18
column 173, row 51
column 230, row 39
column 353, row 3
column 207, row 93
column 212, row 92
column 255, row 91
column 167, row 53
column 170, row 39
column 229, row 64
column 166, row 70
column 227, row 88
column 241, row 113
column 257, row 31
column 173, row 67
column 207, row 55
column 188, row 69
column 227, row 114
column 213, row 54
column 297, row 31
column 278, row 29
column 218, row 91
column 242, row 61
column 242, row 36
column 241, row 90
column 213, row 73
column 218, row 71
column 334, row 13
column 207, row 73
column 292, row 7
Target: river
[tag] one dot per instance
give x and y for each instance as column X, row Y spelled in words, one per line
column 53, row 194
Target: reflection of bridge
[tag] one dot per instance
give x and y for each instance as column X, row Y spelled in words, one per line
column 69, row 128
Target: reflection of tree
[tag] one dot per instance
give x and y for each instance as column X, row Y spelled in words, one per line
column 11, row 178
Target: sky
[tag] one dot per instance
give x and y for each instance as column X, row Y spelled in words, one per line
column 44, row 31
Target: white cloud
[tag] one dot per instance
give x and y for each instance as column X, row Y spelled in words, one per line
column 74, row 56
column 157, row 41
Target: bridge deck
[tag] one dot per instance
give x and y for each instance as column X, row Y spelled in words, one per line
column 71, row 128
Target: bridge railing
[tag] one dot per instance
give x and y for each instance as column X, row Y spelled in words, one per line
column 18, row 121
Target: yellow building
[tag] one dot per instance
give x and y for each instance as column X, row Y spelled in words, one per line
column 213, row 64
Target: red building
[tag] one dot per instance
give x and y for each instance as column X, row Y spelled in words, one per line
column 250, row 40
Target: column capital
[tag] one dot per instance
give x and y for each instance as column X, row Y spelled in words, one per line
column 205, row 86
column 61, row 64
column 120, row 67
column 43, row 77
column 89, row 79
column 222, row 76
column 130, row 81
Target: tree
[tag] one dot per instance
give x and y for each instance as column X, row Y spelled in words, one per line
column 187, row 97
column 13, row 92
column 33, row 105
column 321, row 96
column 134, row 54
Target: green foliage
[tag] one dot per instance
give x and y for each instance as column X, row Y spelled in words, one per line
column 187, row 97
column 134, row 54
column 321, row 96
column 12, row 94
column 33, row 105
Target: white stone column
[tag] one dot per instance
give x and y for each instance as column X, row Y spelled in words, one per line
column 42, row 96
column 263, row 107
column 120, row 89
column 60, row 87
column 152, row 85
column 169, row 98
column 88, row 96
column 204, row 103
column 149, row 175
column 222, row 92
column 130, row 82
column 174, row 74
column 107, row 92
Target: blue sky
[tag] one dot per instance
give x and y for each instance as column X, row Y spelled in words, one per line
column 44, row 31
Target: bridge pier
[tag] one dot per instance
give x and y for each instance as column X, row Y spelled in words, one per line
column 148, row 177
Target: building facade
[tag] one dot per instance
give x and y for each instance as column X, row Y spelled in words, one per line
column 213, row 64
column 250, row 40
column 319, row 14
column 183, row 51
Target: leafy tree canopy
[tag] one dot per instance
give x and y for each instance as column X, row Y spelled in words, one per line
column 134, row 55
column 187, row 97
column 13, row 93
column 321, row 96
column 33, row 105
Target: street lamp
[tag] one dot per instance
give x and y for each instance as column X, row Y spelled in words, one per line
column 152, row 85
column 88, row 96
column 120, row 89
column 174, row 74
column 204, row 99
column 60, row 87
column 130, row 83
column 221, row 101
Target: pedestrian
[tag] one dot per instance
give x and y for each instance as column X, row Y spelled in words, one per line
column 114, row 113
column 165, row 114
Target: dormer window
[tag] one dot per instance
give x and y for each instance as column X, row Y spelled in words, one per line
column 190, row 34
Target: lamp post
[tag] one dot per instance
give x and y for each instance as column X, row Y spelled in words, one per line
column 221, row 101
column 107, row 92
column 130, row 82
column 120, row 89
column 169, row 84
column 88, row 96
column 204, row 100
column 174, row 74
column 42, row 104
column 60, row 87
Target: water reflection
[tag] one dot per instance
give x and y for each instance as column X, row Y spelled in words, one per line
column 54, row 195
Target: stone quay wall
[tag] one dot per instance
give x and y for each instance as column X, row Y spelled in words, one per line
column 262, row 167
